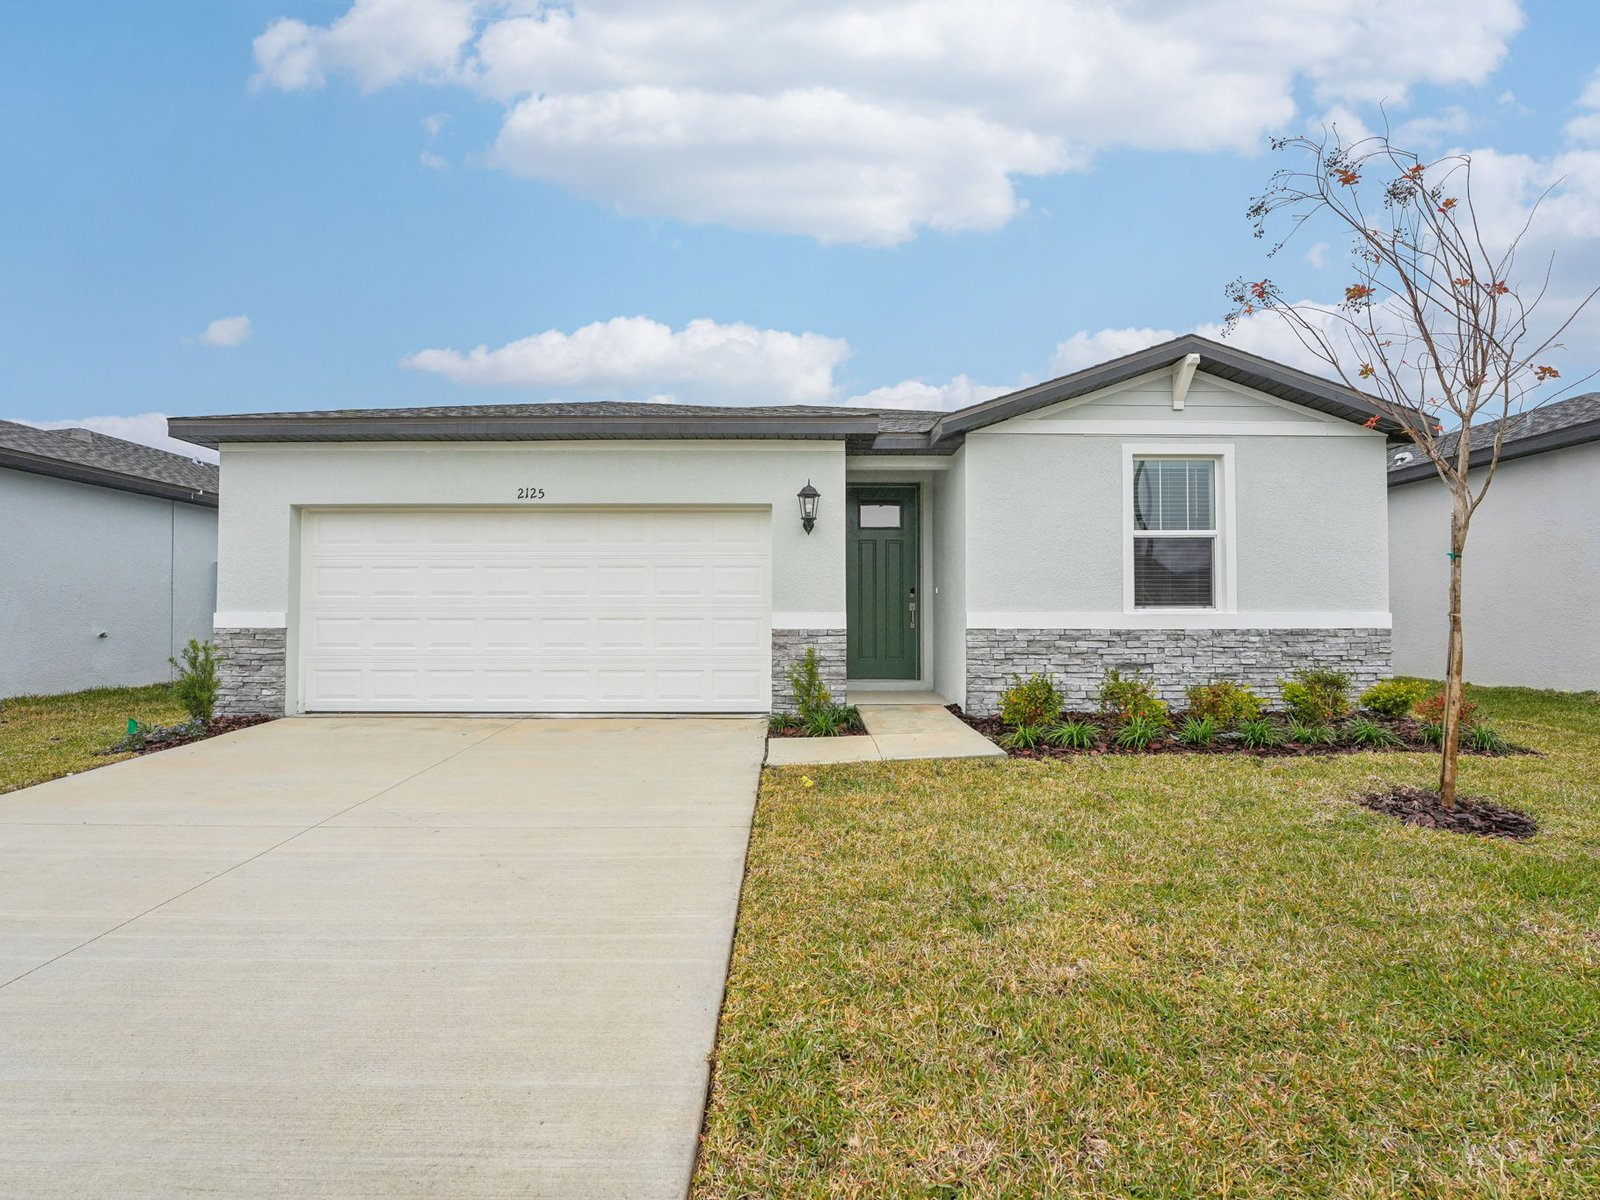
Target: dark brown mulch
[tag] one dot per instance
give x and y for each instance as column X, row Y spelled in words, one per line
column 1471, row 814
column 798, row 731
column 168, row 737
column 1409, row 732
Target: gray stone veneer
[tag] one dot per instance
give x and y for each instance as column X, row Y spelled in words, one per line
column 789, row 646
column 1175, row 658
column 253, row 671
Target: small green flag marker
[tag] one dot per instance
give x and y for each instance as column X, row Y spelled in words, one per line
column 133, row 726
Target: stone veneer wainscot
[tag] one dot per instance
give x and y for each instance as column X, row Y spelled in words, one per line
column 789, row 646
column 1175, row 658
column 254, row 671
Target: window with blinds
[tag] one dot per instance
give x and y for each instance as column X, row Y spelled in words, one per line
column 1174, row 533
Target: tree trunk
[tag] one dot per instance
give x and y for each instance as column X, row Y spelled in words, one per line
column 1459, row 516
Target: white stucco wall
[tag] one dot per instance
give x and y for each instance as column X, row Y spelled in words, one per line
column 78, row 560
column 950, row 582
column 263, row 485
column 1046, row 511
column 1530, row 576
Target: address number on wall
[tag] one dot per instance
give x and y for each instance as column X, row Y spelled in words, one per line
column 530, row 493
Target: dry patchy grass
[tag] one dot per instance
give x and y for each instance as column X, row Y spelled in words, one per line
column 1166, row 977
column 45, row 737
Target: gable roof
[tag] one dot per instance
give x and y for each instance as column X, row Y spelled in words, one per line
column 1554, row 426
column 864, row 430
column 84, row 456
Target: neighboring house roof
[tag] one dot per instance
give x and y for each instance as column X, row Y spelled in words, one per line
column 85, row 456
column 864, row 430
column 1554, row 426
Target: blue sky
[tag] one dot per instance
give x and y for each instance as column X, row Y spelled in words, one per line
column 935, row 204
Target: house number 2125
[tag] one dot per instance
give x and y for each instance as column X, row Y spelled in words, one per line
column 530, row 493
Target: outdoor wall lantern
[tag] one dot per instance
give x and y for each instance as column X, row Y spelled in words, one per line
column 808, row 506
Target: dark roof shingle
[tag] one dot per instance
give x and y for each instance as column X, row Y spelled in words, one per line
column 106, row 460
column 1552, row 426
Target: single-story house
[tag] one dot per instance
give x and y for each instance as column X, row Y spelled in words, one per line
column 108, row 555
column 1190, row 511
column 1531, row 571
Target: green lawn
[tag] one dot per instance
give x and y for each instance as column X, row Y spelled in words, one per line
column 45, row 737
column 1166, row 977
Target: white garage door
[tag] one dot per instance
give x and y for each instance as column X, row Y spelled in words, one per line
column 535, row 610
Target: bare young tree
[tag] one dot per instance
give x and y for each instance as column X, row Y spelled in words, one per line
column 1435, row 328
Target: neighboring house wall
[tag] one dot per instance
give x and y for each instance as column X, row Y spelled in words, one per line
column 267, row 483
column 1530, row 575
column 1047, row 512
column 76, row 561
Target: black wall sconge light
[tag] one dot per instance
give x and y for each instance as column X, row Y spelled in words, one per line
column 808, row 506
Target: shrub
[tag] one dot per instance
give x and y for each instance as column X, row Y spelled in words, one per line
column 1316, row 696
column 1224, row 702
column 1431, row 710
column 196, row 686
column 805, row 681
column 1034, row 701
column 831, row 720
column 1259, row 734
column 1311, row 735
column 1487, row 741
column 1023, row 737
column 1198, row 731
column 1139, row 731
column 1433, row 732
column 778, row 722
column 1395, row 697
column 1364, row 732
column 1125, row 697
column 1073, row 735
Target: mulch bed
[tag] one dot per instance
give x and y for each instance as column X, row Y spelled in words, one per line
column 1408, row 731
column 1471, row 814
column 798, row 731
column 165, row 738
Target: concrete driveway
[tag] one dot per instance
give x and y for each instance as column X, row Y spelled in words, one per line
column 372, row 956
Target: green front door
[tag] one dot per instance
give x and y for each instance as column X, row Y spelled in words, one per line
column 882, row 575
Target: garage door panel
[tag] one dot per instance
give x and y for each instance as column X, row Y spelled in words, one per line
column 536, row 610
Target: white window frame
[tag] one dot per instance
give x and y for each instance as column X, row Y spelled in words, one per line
column 1224, row 558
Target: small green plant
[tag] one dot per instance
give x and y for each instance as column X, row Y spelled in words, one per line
column 1034, row 702
column 1198, row 731
column 1368, row 733
column 1311, row 735
column 196, row 685
column 831, row 720
column 1433, row 732
column 1316, row 696
column 1224, row 702
column 1260, row 734
column 1024, row 737
column 805, row 681
column 778, row 722
column 1487, row 741
column 1395, row 697
column 1124, row 697
column 1073, row 735
column 1139, row 731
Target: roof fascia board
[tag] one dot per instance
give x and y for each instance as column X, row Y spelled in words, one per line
column 56, row 468
column 210, row 431
column 1540, row 443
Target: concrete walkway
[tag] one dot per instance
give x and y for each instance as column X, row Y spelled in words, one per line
column 396, row 957
column 899, row 726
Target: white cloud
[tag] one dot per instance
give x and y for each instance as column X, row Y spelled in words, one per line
column 1317, row 256
column 434, row 162
column 704, row 361
column 856, row 122
column 148, row 429
column 224, row 333
column 379, row 42
column 1435, row 129
column 913, row 393
column 1261, row 333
